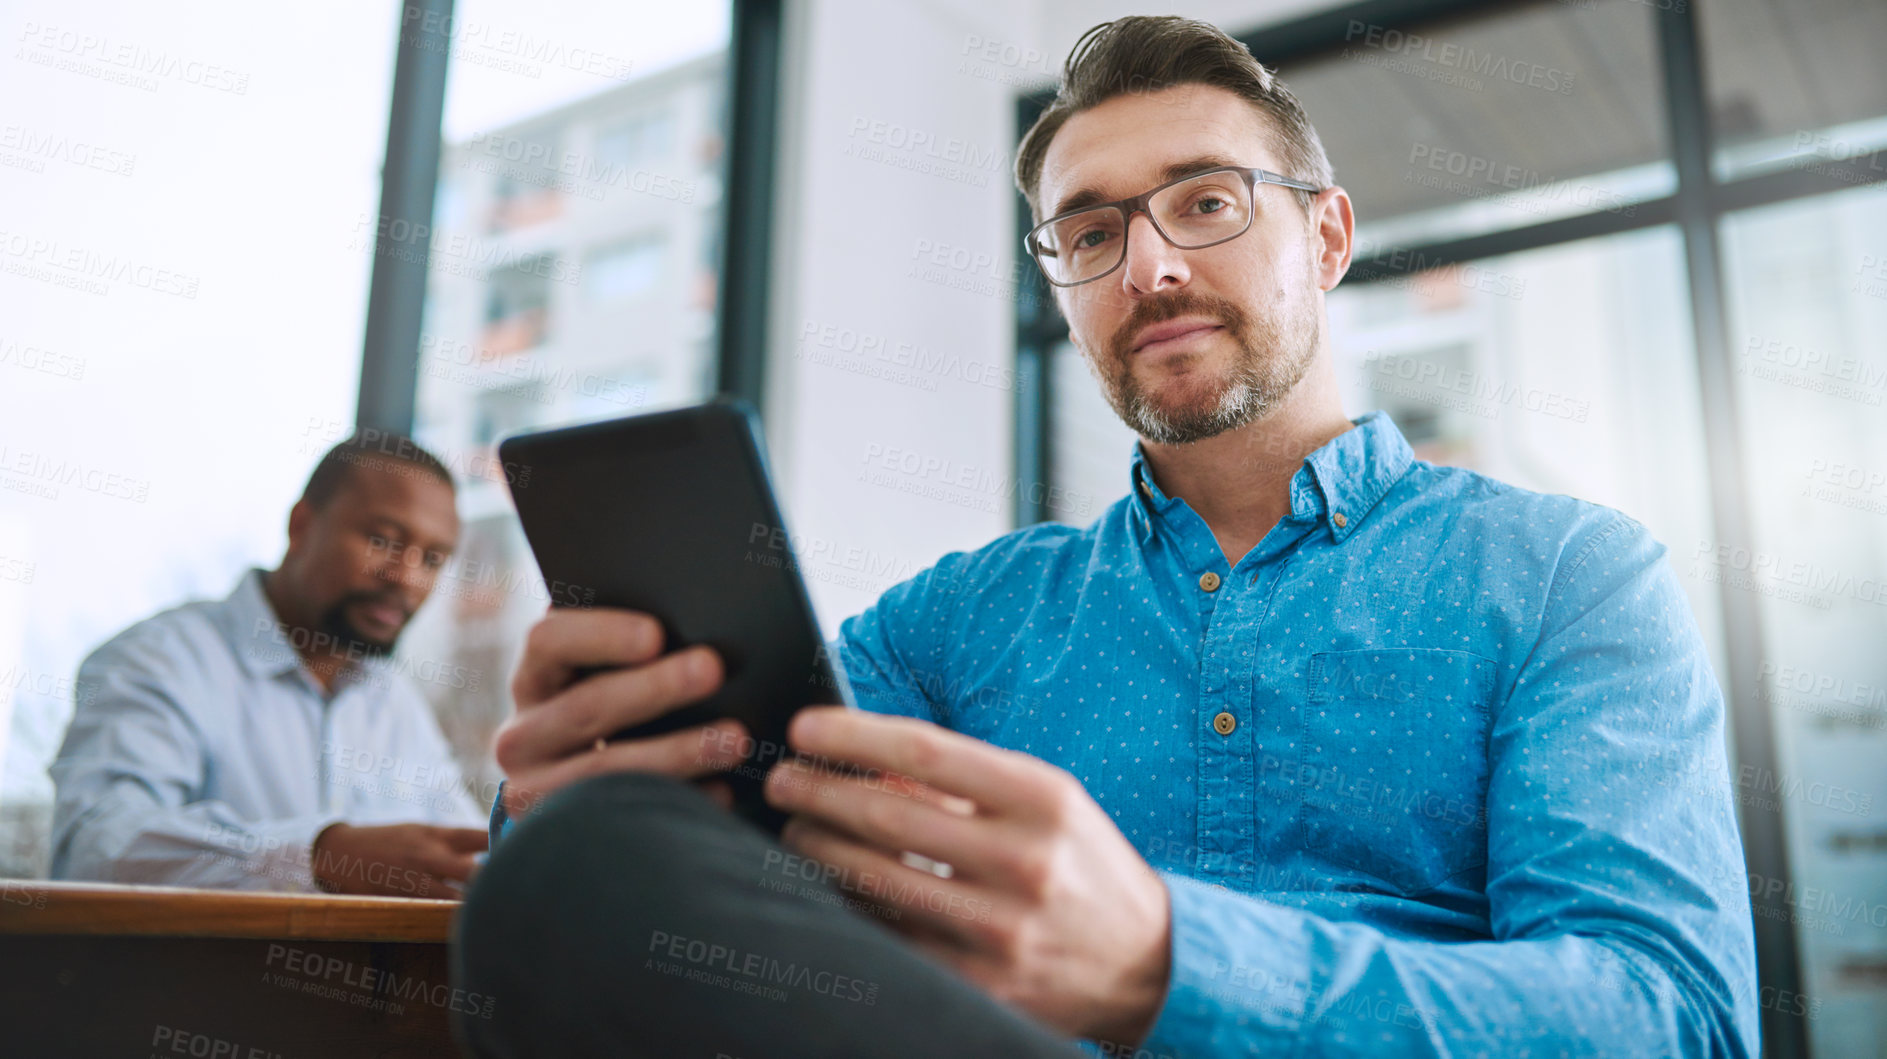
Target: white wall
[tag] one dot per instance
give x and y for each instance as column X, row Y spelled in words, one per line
column 892, row 78
column 862, row 245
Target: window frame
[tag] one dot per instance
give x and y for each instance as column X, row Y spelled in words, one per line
column 396, row 300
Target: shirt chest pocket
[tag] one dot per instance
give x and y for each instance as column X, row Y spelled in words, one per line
column 1395, row 763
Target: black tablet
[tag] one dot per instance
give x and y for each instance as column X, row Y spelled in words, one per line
column 673, row 514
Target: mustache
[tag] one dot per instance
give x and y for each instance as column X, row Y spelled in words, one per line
column 387, row 599
column 350, row 639
column 1170, row 307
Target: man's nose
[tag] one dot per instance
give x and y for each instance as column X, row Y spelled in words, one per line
column 1153, row 264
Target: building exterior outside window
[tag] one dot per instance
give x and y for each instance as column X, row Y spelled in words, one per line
column 574, row 274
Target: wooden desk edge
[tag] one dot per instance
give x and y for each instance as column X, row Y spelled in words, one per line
column 41, row 907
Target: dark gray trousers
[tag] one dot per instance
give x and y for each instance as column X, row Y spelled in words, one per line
column 631, row 916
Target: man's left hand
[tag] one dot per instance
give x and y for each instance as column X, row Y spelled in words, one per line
column 1046, row 905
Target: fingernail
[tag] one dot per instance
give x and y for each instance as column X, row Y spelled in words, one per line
column 731, row 738
column 807, row 726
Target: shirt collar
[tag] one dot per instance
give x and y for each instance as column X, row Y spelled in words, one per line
column 266, row 649
column 1339, row 484
column 262, row 641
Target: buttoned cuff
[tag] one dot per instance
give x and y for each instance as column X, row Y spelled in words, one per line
column 500, row 821
column 284, row 855
column 1238, row 983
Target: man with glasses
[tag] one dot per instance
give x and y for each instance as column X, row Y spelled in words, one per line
column 1305, row 746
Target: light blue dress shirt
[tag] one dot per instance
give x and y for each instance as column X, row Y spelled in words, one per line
column 1437, row 769
column 202, row 753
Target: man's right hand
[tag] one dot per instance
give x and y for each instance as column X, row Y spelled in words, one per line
column 397, row 860
column 552, row 740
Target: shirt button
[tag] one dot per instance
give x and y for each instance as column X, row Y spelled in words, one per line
column 1339, row 520
column 1144, row 491
column 1224, row 723
column 1209, row 581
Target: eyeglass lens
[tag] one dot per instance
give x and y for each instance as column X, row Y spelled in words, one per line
column 1205, row 209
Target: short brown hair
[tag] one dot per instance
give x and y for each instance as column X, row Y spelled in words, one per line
column 1148, row 53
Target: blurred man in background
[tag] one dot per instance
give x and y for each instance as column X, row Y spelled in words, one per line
column 269, row 741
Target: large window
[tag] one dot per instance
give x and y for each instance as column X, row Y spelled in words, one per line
column 206, row 221
column 186, row 234
column 1636, row 253
column 1807, row 310
column 573, row 276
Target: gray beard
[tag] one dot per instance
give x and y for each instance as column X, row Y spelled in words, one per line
column 1268, row 366
column 1243, row 397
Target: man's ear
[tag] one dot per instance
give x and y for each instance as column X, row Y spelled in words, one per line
column 1333, row 234
column 300, row 518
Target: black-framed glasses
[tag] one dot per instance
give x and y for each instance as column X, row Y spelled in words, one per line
column 1198, row 210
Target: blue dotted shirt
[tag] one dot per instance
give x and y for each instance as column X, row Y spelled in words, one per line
column 1437, row 768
